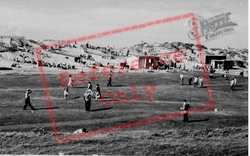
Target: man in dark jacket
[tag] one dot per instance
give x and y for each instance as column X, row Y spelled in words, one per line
column 185, row 109
column 27, row 100
column 190, row 80
column 109, row 80
column 87, row 99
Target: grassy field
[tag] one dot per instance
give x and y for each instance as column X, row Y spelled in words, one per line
column 224, row 132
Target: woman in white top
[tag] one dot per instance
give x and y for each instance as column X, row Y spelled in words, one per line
column 70, row 81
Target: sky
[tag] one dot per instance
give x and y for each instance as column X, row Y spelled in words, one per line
column 65, row 19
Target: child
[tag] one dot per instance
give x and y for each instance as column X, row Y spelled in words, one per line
column 98, row 92
column 66, row 93
column 97, row 96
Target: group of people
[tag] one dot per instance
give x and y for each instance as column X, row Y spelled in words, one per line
column 98, row 91
column 87, row 95
column 89, row 92
column 87, row 100
column 198, row 81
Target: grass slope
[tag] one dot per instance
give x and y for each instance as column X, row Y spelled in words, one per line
column 209, row 133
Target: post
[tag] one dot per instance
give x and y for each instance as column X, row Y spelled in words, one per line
column 141, row 46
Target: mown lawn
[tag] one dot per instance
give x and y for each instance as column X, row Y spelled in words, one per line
column 157, row 138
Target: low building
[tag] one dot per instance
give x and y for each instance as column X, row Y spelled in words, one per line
column 223, row 64
column 146, row 61
column 131, row 61
column 209, row 58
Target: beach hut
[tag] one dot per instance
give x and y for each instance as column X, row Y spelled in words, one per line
column 39, row 63
column 5, row 64
column 147, row 61
column 142, row 61
column 131, row 61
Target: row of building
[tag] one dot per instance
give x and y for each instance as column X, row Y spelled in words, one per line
column 215, row 61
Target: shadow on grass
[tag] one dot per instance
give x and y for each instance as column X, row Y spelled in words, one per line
column 204, row 86
column 77, row 97
column 108, row 100
column 100, row 109
column 215, row 76
column 47, row 108
column 5, row 68
column 79, row 87
column 201, row 120
column 192, row 86
column 150, row 71
column 117, row 86
column 106, row 97
column 239, row 89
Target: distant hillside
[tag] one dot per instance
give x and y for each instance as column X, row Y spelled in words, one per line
column 25, row 52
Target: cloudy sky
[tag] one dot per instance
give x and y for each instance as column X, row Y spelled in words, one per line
column 68, row 19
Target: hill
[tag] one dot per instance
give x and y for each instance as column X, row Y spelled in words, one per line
column 66, row 55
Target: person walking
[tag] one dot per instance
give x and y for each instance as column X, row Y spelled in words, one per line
column 66, row 93
column 70, row 80
column 195, row 81
column 182, row 79
column 27, row 100
column 200, row 82
column 167, row 67
column 109, row 80
column 211, row 72
column 232, row 85
column 89, row 85
column 185, row 109
column 235, row 82
column 226, row 74
column 190, row 80
column 87, row 99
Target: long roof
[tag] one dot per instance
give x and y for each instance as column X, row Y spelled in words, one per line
column 148, row 56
